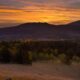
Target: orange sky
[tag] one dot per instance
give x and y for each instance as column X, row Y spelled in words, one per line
column 36, row 11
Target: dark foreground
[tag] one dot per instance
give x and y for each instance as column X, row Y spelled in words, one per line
column 40, row 71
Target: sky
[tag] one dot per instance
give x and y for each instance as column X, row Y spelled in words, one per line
column 13, row 12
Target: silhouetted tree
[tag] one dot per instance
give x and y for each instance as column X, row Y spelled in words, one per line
column 5, row 55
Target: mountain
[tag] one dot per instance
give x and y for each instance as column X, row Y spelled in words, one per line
column 74, row 25
column 41, row 31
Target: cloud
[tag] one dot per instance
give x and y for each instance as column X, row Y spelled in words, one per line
column 41, row 3
column 57, row 11
column 74, row 5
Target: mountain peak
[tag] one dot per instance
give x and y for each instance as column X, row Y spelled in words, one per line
column 41, row 31
column 34, row 24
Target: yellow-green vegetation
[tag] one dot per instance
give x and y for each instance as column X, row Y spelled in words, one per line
column 28, row 52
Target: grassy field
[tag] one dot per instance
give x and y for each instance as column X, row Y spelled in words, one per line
column 40, row 71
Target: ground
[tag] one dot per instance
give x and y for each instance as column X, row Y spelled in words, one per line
column 40, row 71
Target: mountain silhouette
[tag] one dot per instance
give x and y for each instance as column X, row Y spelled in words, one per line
column 74, row 25
column 41, row 31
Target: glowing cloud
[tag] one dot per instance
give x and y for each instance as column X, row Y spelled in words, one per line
column 51, row 11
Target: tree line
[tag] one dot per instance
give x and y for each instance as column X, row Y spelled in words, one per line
column 22, row 52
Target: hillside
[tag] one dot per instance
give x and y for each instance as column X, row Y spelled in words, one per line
column 41, row 31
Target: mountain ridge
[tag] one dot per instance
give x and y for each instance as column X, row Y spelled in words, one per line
column 41, row 31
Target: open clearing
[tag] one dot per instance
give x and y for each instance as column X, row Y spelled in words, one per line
column 40, row 71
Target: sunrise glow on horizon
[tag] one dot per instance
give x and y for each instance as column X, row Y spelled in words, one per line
column 50, row 11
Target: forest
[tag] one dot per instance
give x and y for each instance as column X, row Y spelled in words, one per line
column 27, row 52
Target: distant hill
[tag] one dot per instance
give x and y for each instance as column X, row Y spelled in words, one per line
column 41, row 31
column 74, row 25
